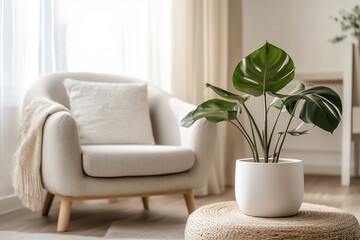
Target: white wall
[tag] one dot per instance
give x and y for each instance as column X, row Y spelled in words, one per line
column 302, row 29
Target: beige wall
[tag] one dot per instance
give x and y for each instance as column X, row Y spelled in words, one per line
column 302, row 28
column 235, row 140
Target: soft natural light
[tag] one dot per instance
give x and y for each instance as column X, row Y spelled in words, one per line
column 127, row 37
column 37, row 37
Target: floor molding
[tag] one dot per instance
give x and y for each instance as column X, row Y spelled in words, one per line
column 9, row 203
column 322, row 169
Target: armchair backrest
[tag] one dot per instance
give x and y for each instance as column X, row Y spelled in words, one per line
column 164, row 119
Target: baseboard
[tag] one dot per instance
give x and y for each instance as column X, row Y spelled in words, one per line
column 9, row 203
column 317, row 161
column 322, row 169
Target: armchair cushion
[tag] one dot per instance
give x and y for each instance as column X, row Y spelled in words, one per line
column 135, row 160
column 110, row 113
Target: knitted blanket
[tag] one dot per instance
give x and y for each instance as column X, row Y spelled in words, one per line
column 26, row 163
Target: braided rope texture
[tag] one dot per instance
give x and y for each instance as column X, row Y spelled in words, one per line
column 224, row 220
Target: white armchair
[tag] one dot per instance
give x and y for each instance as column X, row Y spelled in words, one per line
column 178, row 163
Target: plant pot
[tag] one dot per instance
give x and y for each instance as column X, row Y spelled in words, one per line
column 269, row 189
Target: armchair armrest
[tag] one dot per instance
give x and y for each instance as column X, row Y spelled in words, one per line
column 200, row 137
column 61, row 155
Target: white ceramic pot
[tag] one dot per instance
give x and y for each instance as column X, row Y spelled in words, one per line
column 269, row 189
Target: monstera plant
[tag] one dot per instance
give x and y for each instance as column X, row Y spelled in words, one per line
column 263, row 74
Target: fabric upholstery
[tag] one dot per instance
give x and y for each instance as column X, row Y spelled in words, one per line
column 135, row 160
column 165, row 124
column 110, row 113
column 62, row 171
column 26, row 162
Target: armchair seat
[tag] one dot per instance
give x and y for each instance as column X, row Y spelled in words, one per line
column 135, row 160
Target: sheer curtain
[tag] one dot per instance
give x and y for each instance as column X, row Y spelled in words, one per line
column 115, row 36
column 206, row 49
column 127, row 37
column 19, row 58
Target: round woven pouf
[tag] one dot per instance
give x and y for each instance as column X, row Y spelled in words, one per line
column 224, row 220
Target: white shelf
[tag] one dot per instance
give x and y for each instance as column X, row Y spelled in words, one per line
column 327, row 77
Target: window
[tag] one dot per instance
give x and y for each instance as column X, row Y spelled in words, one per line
column 127, row 37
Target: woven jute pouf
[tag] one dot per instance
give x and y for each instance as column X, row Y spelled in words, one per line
column 225, row 221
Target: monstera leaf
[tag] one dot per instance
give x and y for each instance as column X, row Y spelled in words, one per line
column 298, row 132
column 268, row 69
column 322, row 106
column 228, row 95
column 279, row 102
column 214, row 110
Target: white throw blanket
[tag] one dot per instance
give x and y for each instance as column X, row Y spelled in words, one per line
column 26, row 176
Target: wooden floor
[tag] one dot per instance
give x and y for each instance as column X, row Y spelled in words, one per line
column 93, row 218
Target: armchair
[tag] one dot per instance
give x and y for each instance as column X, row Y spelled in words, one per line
column 69, row 169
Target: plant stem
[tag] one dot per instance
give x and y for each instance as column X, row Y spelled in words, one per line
column 254, row 140
column 246, row 137
column 273, row 129
column 275, row 153
column 255, row 125
column 242, row 127
column 265, row 139
column 285, row 133
column 252, row 119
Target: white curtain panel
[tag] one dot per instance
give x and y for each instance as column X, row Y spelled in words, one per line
column 124, row 37
column 203, row 51
column 19, row 65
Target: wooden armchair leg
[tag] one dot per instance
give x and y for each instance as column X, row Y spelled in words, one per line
column 189, row 199
column 47, row 204
column 64, row 214
column 145, row 201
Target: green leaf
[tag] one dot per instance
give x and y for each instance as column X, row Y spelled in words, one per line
column 227, row 95
column 322, row 107
column 320, row 112
column 297, row 132
column 328, row 94
column 214, row 110
column 278, row 102
column 268, row 69
column 188, row 120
